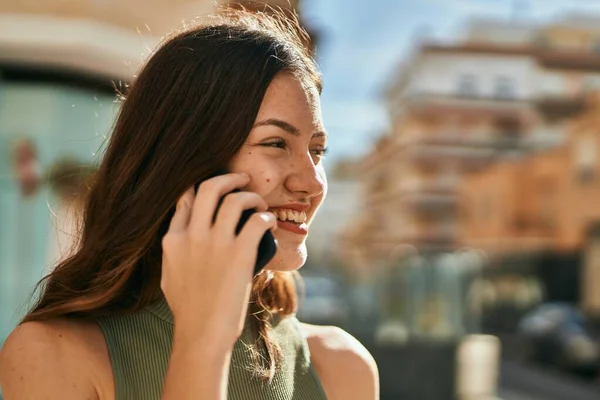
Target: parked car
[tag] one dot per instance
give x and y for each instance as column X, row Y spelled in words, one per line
column 559, row 335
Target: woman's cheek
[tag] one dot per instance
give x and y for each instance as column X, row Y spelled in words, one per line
column 273, row 171
column 265, row 180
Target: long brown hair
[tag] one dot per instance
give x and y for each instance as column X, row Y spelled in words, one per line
column 187, row 114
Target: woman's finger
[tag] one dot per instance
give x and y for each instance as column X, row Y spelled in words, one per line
column 209, row 193
column 230, row 212
column 183, row 212
column 253, row 231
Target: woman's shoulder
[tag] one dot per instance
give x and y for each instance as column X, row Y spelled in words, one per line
column 68, row 356
column 344, row 365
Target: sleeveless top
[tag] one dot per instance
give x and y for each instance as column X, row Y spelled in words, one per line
column 139, row 346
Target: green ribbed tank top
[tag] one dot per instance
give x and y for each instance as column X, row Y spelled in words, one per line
column 139, row 346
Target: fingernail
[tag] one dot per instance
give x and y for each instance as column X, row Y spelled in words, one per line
column 267, row 216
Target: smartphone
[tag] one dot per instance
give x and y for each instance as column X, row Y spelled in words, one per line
column 268, row 244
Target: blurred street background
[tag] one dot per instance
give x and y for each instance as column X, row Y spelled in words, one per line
column 460, row 240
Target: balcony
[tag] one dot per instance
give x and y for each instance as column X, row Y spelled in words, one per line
column 476, row 140
column 424, row 239
column 430, row 202
column 439, row 185
column 572, row 60
column 454, row 139
column 556, row 107
column 439, row 153
column 547, row 136
column 416, row 190
column 439, row 234
column 432, row 104
column 485, row 150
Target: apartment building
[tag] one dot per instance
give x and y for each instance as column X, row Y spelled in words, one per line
column 546, row 202
column 455, row 110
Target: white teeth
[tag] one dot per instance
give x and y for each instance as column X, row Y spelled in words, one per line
column 300, row 217
column 290, row 215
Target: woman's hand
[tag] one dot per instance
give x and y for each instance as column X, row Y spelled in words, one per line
column 207, row 269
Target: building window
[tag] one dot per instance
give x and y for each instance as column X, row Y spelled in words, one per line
column 547, row 203
column 505, row 88
column 585, row 158
column 585, row 175
column 467, row 85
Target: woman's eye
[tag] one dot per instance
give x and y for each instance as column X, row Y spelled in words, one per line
column 278, row 144
column 320, row 151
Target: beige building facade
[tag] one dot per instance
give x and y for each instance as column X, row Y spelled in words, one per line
column 456, row 110
column 544, row 202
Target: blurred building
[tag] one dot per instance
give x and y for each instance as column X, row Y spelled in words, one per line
column 107, row 38
column 493, row 31
column 568, row 57
column 503, row 92
column 548, row 199
column 572, row 32
column 341, row 204
column 454, row 108
column 58, row 64
column 546, row 202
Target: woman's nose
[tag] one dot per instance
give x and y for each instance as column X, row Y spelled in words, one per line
column 307, row 178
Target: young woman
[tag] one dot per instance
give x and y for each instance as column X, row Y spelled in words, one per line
column 154, row 307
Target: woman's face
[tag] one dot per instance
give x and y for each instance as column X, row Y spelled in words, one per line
column 283, row 156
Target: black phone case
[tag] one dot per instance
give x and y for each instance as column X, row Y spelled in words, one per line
column 267, row 246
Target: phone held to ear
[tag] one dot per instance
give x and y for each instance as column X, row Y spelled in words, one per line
column 267, row 246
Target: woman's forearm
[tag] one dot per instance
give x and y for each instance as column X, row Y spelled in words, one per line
column 198, row 368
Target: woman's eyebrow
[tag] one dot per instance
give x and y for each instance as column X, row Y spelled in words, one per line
column 286, row 126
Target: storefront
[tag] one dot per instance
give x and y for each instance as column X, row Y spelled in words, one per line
column 57, row 106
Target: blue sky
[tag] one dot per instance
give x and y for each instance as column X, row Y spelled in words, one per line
column 363, row 41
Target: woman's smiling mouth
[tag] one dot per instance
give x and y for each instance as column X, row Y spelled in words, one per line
column 292, row 218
